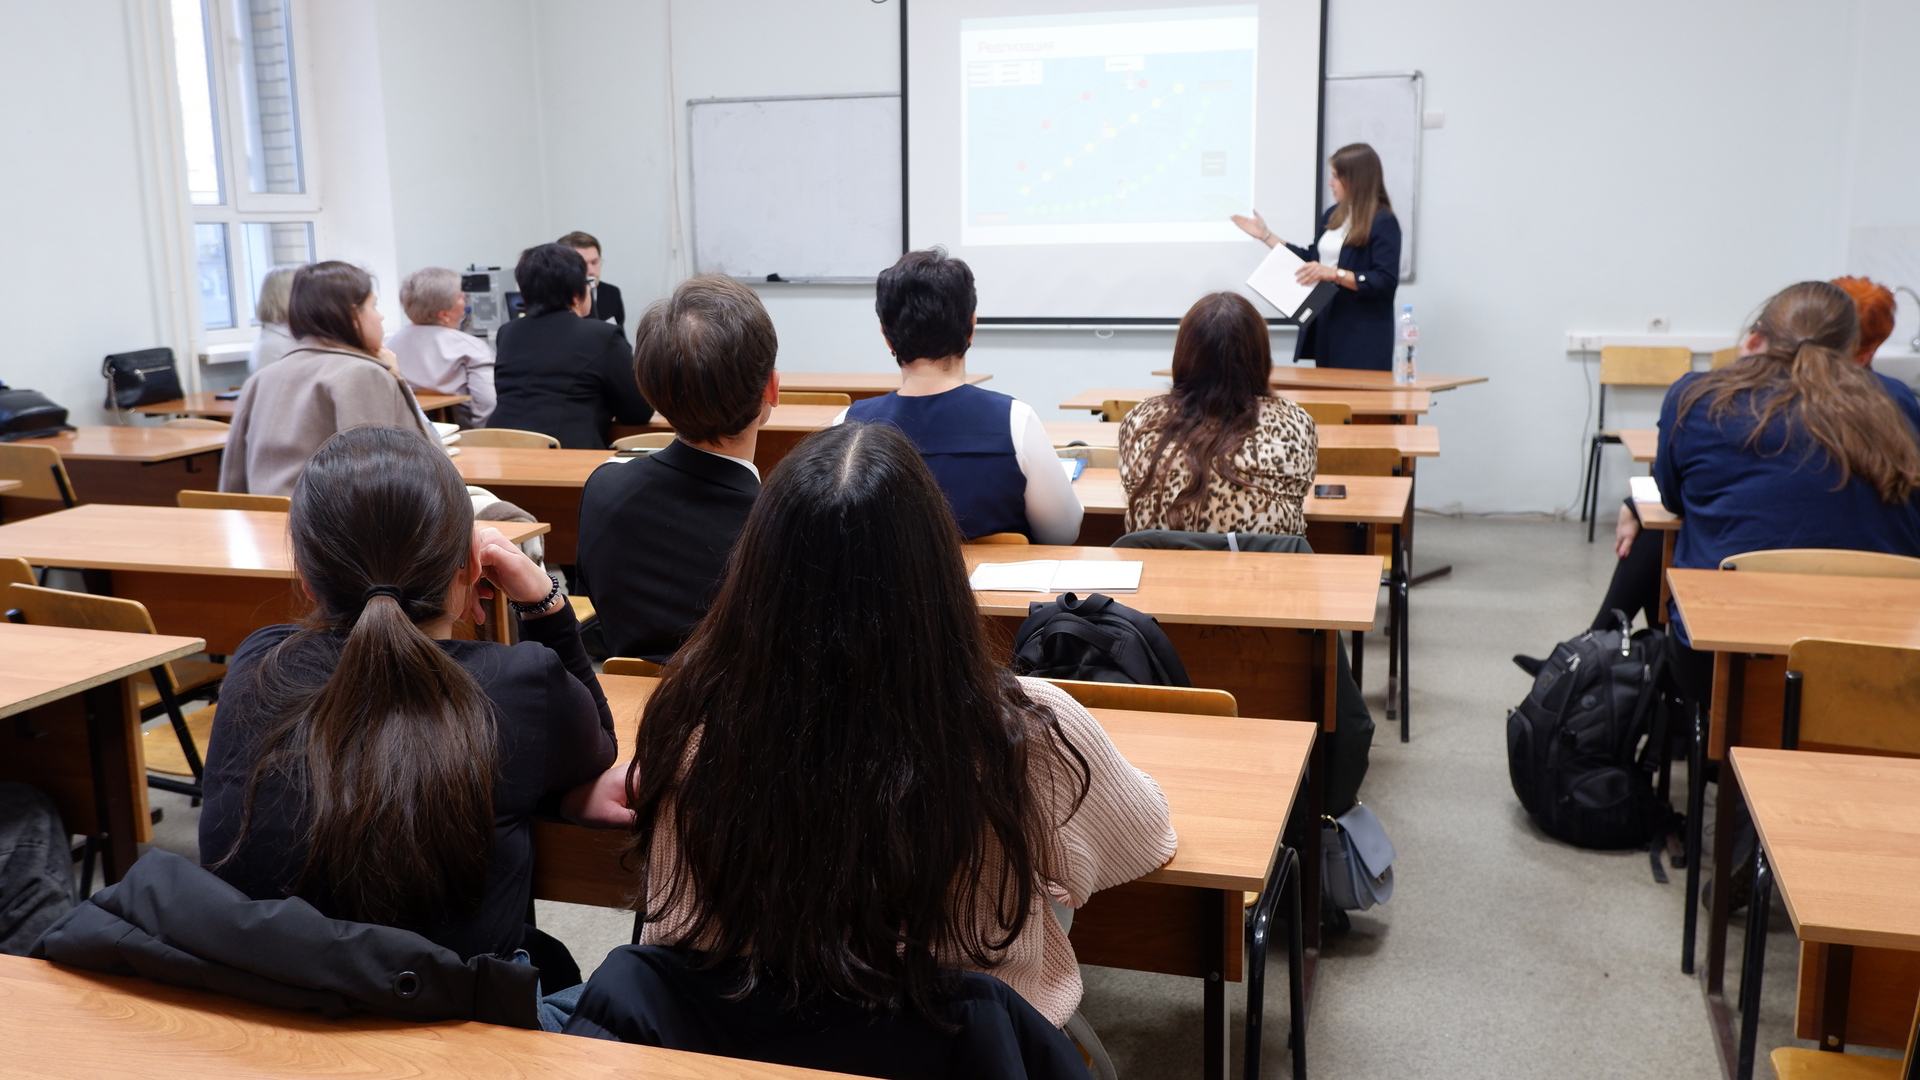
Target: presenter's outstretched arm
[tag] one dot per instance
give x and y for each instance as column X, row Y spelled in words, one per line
column 1256, row 227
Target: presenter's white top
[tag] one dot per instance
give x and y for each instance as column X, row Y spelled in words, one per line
column 1330, row 244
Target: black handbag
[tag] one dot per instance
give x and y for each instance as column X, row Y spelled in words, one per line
column 140, row 378
column 29, row 414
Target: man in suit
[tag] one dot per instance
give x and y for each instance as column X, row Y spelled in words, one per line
column 604, row 299
column 655, row 531
column 557, row 372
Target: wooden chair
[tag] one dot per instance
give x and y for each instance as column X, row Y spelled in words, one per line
column 1173, row 699
column 1001, row 538
column 1096, row 457
column 1723, row 357
column 41, row 473
column 1854, row 698
column 1622, row 365
column 629, row 665
column 173, row 751
column 511, row 437
column 814, row 397
column 1115, row 410
column 652, row 440
column 197, row 423
column 16, row 572
column 1798, row 1063
column 1824, row 561
column 231, row 500
column 1328, row 412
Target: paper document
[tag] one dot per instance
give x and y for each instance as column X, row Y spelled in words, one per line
column 1643, row 489
column 1074, row 467
column 1058, row 575
column 1273, row 280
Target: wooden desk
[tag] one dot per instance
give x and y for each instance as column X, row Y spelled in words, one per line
column 206, row 404
column 61, row 1023
column 1230, row 783
column 140, row 466
column 544, row 483
column 215, row 574
column 76, row 728
column 1371, row 500
column 1313, row 378
column 1094, row 433
column 1399, row 405
column 1642, row 443
column 858, row 385
column 1411, row 440
column 8, row 485
column 783, row 431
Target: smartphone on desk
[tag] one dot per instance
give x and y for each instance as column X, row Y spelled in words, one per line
column 1329, row 491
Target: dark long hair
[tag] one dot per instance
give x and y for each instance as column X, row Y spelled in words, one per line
column 850, row 772
column 325, row 304
column 1806, row 376
column 391, row 740
column 1359, row 170
column 1222, row 361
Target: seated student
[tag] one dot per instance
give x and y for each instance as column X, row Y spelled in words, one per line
column 655, row 532
column 990, row 453
column 847, row 816
column 1221, row 452
column 434, row 354
column 275, row 339
column 334, row 378
column 556, row 372
column 369, row 763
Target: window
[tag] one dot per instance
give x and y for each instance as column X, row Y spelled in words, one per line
column 249, row 181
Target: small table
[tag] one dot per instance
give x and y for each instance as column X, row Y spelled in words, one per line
column 1642, row 443
column 76, row 727
column 138, row 466
column 1319, row 378
column 858, row 385
column 216, row 574
column 208, row 404
column 61, row 1023
column 783, row 431
column 1398, row 406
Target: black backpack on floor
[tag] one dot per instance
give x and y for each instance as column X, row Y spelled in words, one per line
column 1097, row 639
column 1584, row 748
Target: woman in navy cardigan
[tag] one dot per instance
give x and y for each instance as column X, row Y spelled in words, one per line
column 1358, row 249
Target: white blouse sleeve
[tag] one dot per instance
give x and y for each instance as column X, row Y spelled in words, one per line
column 1053, row 510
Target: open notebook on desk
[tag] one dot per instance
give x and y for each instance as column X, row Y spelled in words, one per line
column 1057, row 576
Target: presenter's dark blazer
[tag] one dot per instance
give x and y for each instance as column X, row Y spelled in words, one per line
column 655, row 533
column 607, row 305
column 1356, row 329
column 567, row 377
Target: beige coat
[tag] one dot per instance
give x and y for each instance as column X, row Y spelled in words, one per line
column 288, row 410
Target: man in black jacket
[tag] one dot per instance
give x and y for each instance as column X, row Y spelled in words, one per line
column 558, row 373
column 604, row 299
column 655, row 532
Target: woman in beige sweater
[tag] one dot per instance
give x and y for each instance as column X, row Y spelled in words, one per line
column 334, row 378
column 836, row 784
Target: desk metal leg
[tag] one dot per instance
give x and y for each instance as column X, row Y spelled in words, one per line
column 1753, row 962
column 1213, row 1022
column 1401, row 631
column 1283, row 887
column 1696, row 809
column 109, row 751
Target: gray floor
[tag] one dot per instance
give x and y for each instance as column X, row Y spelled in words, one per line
column 1503, row 953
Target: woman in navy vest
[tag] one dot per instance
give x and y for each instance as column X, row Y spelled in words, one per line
column 990, row 453
column 1358, row 249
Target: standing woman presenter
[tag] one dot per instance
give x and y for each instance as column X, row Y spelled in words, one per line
column 1358, row 249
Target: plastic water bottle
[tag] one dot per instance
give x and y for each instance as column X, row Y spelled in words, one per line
column 1405, row 345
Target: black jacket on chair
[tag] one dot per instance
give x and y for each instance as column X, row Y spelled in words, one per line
column 655, row 533
column 657, row 997
column 1356, row 329
column 567, row 377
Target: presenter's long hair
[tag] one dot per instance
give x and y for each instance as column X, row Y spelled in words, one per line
column 390, row 743
column 835, row 781
column 1222, row 359
column 1805, row 376
column 1359, row 170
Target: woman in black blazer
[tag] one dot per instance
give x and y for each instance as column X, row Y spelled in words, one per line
column 1356, row 328
column 555, row 372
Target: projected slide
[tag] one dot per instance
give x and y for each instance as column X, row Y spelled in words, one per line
column 1107, row 128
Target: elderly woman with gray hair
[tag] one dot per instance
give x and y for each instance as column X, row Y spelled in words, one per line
column 275, row 340
column 434, row 354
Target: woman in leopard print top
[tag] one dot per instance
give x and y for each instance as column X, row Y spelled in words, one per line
column 1219, row 453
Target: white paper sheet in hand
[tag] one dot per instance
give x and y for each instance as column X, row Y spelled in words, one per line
column 1273, row 279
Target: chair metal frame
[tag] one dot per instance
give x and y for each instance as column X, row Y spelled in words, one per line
column 1631, row 357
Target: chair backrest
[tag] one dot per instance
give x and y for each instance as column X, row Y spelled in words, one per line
column 1723, row 357
column 1173, row 699
column 41, row 473
column 1824, row 561
column 1630, row 365
column 1857, row 696
column 1001, row 538
column 1116, row 409
column 1359, row 461
column 232, row 500
column 814, row 397
column 41, row 606
column 1096, row 457
column 1328, row 412
column 16, row 572
column 630, row 665
column 198, row 423
column 652, row 440
column 512, row 437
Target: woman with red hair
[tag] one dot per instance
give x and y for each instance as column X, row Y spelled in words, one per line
column 1875, row 304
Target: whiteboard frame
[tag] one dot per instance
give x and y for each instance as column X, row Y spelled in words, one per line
column 1409, row 234
column 693, row 186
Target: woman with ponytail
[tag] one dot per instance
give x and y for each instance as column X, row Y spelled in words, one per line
column 366, row 761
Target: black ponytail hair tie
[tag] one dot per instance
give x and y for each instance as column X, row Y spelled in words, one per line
column 1803, row 343
column 382, row 590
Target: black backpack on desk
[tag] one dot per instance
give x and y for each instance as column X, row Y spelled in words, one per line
column 1097, row 639
column 29, row 414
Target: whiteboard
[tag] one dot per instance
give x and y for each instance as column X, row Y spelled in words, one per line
column 1383, row 111
column 804, row 187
